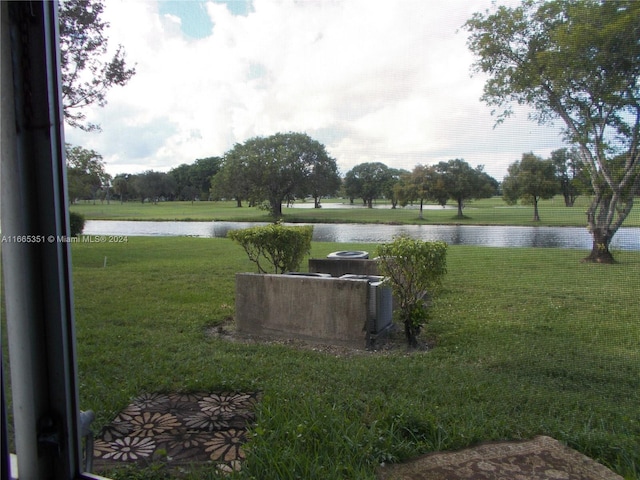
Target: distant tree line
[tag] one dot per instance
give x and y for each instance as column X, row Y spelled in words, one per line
column 88, row 181
column 285, row 167
column 573, row 61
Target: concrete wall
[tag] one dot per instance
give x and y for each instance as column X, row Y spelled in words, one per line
column 341, row 266
column 313, row 309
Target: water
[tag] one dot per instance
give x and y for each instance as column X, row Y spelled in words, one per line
column 358, row 205
column 490, row 236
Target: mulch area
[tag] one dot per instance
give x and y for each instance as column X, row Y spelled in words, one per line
column 177, row 430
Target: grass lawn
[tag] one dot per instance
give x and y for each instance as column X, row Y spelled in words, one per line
column 527, row 342
column 491, row 211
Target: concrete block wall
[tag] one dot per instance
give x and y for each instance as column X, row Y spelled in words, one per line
column 313, row 309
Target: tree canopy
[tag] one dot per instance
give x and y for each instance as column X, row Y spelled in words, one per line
column 368, row 181
column 422, row 184
column 276, row 168
column 577, row 61
column 461, row 182
column 152, row 186
column 193, row 182
column 571, row 174
column 86, row 175
column 87, row 71
column 530, row 180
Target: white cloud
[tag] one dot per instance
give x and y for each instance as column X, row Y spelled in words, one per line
column 374, row 81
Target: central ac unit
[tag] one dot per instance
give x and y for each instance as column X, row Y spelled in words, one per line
column 380, row 306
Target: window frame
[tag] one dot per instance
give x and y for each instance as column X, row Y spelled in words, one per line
column 36, row 261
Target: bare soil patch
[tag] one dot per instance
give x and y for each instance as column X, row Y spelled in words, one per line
column 393, row 342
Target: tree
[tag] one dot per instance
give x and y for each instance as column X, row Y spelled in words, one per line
column 194, row 181
column 530, row 179
column 571, row 174
column 201, row 173
column 184, row 185
column 87, row 72
column 85, row 173
column 389, row 189
column 461, row 182
column 233, row 178
column 123, row 186
column 276, row 168
column 323, row 179
column 577, row 61
column 367, row 181
column 422, row 184
column 153, row 186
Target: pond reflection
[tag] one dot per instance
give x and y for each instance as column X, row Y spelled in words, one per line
column 490, row 236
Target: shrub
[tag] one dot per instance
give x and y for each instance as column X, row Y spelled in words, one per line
column 282, row 247
column 415, row 269
column 76, row 224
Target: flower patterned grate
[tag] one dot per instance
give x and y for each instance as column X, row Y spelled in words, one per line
column 177, row 429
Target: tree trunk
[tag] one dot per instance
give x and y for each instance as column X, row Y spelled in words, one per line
column 536, row 215
column 276, row 208
column 239, row 202
column 421, row 203
column 411, row 333
column 599, row 222
column 600, row 251
column 459, row 208
column 568, row 200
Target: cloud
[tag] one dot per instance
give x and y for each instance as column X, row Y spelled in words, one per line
column 373, row 81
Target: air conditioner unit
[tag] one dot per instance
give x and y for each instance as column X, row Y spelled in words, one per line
column 309, row 274
column 349, row 255
column 380, row 307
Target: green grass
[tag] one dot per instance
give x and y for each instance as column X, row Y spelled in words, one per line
column 491, row 211
column 528, row 342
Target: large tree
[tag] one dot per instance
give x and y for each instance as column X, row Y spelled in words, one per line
column 367, row 181
column 462, row 182
column 88, row 72
column 278, row 167
column 530, row 180
column 577, row 61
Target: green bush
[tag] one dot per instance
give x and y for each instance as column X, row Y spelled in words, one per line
column 415, row 269
column 76, row 224
column 282, row 247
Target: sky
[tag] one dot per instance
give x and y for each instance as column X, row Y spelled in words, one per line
column 374, row 81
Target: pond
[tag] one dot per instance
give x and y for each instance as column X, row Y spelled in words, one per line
column 490, row 236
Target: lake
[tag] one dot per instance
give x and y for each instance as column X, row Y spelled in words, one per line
column 490, row 236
